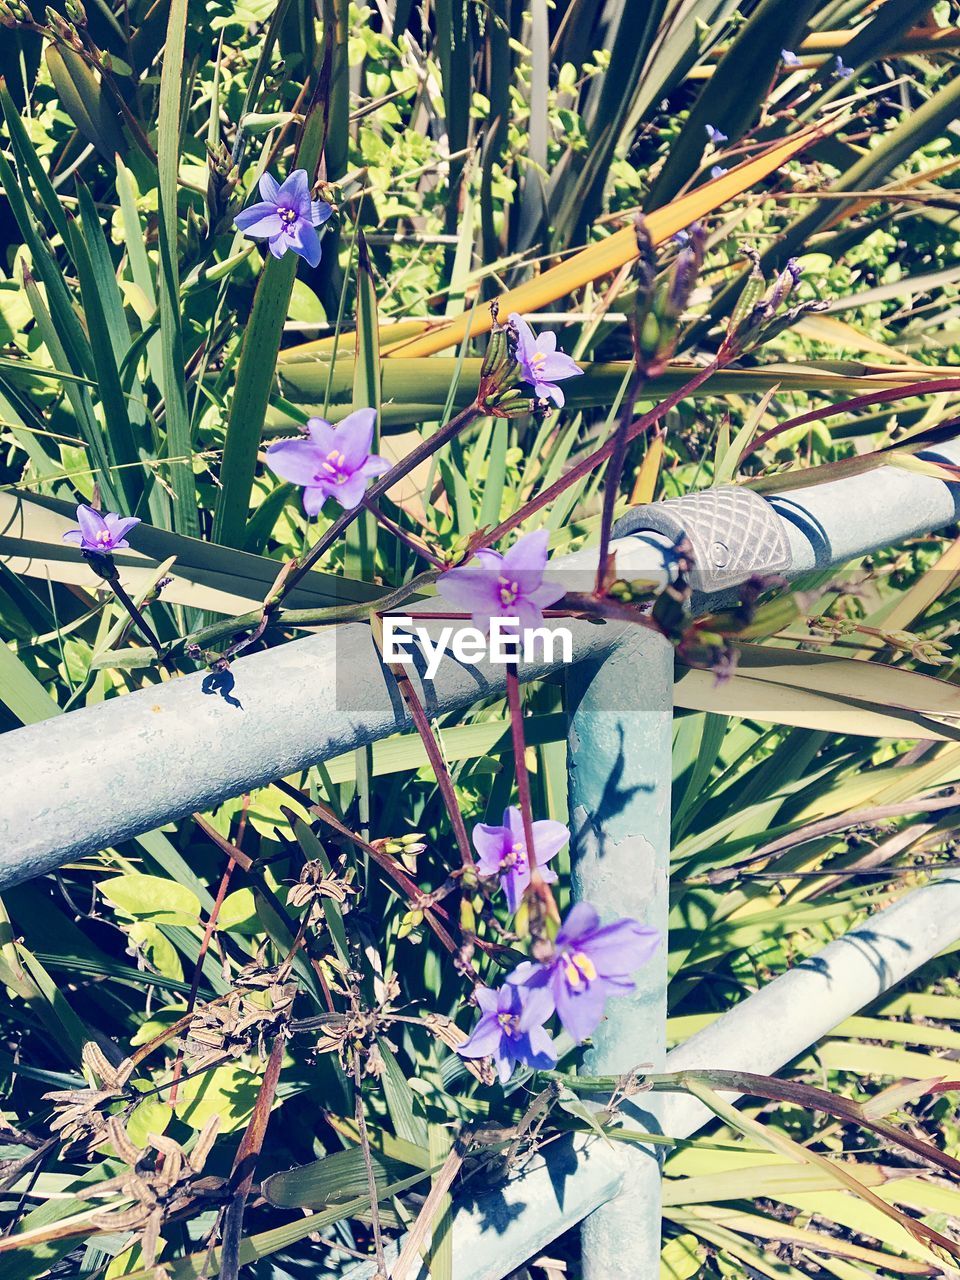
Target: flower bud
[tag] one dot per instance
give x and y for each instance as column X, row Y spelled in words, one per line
column 76, row 13
column 750, row 294
column 783, row 284
column 500, row 372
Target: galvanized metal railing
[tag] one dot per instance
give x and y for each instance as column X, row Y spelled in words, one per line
column 172, row 749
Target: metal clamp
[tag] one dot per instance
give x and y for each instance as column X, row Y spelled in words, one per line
column 733, row 532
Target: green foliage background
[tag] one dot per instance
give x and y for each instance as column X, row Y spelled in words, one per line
column 148, row 350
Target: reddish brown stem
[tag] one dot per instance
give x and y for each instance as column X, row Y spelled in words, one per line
column 437, row 762
column 537, row 884
column 587, row 464
column 928, row 387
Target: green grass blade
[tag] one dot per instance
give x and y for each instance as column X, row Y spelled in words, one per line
column 257, row 368
column 177, row 419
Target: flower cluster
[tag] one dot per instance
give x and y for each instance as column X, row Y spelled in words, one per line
column 591, row 962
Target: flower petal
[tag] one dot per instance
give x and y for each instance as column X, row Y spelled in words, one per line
column 526, row 342
column 296, row 460
column 549, row 391
column 320, row 211
column 537, row 1006
column 269, row 188
column 484, row 1039
column 580, row 1011
column 505, row 1061
column 120, row 526
column 91, row 523
column 620, row 948
column 313, row 499
column 323, row 434
column 526, row 560
column 375, row 465
column 261, row 221
column 490, row 844
column 558, row 366
column 471, row 589
column 73, row 535
column 546, row 594
column 294, row 192
column 549, row 837
column 355, row 436
column 542, row 1054
column 350, row 493
column 487, row 999
column 515, row 882
column 582, row 918
column 305, row 241
column 279, row 244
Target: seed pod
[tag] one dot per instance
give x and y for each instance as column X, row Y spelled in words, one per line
column 750, row 294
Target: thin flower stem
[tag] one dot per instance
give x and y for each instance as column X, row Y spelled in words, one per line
column 412, row 543
column 368, row 1166
column 198, row 973
column 437, row 762
column 139, row 620
column 924, row 388
column 316, row 617
column 408, row 887
column 611, row 488
column 538, row 886
column 593, row 460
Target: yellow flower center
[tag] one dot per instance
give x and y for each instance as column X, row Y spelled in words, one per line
column 579, row 970
column 289, row 216
column 516, row 857
column 510, row 1023
column 335, row 467
column 103, row 537
column 538, row 360
column 509, row 591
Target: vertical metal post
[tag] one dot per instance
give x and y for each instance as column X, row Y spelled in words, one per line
column 619, row 767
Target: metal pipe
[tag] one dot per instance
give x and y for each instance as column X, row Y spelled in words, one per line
column 80, row 782
column 784, row 1018
column 619, row 773
column 495, row 1232
column 762, row 1034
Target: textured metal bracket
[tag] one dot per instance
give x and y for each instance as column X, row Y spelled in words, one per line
column 733, row 532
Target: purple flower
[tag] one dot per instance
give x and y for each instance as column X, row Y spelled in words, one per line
column 714, row 135
column 841, row 70
column 717, row 171
column 286, row 217
column 591, row 962
column 100, row 534
column 332, row 462
column 789, row 58
column 504, row 586
column 511, row 1029
column 503, row 852
column 541, row 364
